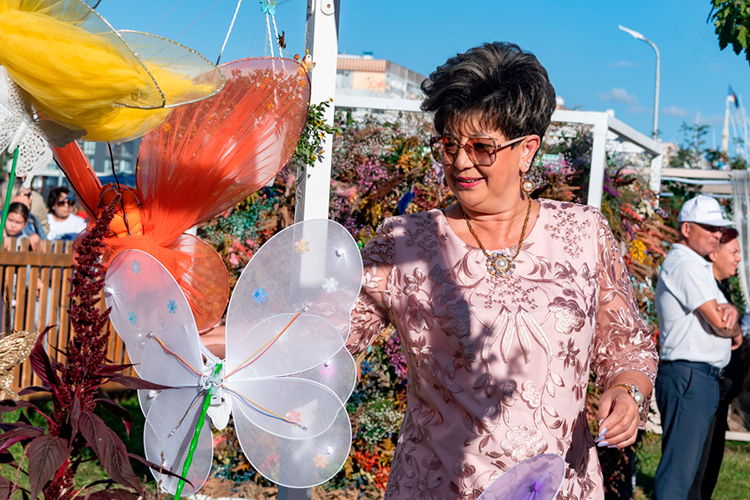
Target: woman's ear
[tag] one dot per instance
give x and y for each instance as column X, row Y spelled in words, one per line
column 530, row 146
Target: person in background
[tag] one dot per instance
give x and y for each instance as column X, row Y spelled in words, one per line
column 25, row 196
column 37, row 206
column 16, row 226
column 62, row 224
column 698, row 329
column 725, row 260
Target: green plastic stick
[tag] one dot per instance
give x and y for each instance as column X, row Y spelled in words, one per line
column 196, row 435
column 11, row 179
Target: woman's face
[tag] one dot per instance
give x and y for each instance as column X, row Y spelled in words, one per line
column 489, row 189
column 14, row 224
column 62, row 208
column 726, row 258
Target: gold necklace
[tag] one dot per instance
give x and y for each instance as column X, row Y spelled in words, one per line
column 499, row 264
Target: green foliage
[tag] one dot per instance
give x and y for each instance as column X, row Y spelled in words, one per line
column 691, row 152
column 731, row 19
column 310, row 146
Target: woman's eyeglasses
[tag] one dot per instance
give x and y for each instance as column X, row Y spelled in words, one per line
column 481, row 151
column 62, row 203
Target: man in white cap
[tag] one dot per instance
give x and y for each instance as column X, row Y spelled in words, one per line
column 697, row 329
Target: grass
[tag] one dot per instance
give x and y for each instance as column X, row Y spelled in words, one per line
column 734, row 476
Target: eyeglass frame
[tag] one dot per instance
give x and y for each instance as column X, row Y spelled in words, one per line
column 61, row 203
column 434, row 141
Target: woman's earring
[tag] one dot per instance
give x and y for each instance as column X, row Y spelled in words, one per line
column 527, row 185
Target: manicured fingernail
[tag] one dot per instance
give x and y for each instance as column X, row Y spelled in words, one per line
column 603, row 431
column 603, row 443
column 601, row 422
column 612, row 446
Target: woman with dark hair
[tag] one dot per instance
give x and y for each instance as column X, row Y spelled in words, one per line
column 16, row 225
column 501, row 302
column 62, row 224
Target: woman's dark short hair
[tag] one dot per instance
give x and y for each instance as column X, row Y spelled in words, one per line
column 498, row 84
column 54, row 195
column 19, row 208
column 728, row 234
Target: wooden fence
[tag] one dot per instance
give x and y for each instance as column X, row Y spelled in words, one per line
column 38, row 284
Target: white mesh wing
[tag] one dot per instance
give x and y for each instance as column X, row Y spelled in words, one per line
column 166, row 441
column 153, row 318
column 313, row 266
column 338, row 373
column 282, row 452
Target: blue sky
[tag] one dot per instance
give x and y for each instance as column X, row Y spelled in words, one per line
column 592, row 64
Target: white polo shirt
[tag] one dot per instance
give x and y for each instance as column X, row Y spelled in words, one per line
column 686, row 282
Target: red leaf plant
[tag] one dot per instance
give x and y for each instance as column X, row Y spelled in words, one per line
column 55, row 453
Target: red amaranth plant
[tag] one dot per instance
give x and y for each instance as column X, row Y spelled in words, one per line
column 55, row 453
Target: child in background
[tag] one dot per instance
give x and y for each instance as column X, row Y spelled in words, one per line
column 16, row 226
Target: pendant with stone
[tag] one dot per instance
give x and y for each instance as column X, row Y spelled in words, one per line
column 500, row 265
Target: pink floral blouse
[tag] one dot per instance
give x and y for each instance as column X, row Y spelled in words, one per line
column 498, row 368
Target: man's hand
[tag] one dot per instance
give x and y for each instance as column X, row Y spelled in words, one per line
column 737, row 342
column 729, row 315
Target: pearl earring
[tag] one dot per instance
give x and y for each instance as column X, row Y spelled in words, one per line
column 527, row 185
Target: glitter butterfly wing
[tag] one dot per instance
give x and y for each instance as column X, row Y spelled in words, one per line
column 287, row 369
column 18, row 130
column 153, row 318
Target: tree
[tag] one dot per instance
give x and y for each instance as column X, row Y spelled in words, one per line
column 731, row 20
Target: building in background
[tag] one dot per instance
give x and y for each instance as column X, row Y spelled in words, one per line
column 366, row 76
column 124, row 155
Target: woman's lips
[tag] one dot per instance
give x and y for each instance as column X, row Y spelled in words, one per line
column 468, row 183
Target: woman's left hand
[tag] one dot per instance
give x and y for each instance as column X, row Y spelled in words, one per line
column 618, row 418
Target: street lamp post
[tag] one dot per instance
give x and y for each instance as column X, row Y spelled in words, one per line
column 638, row 36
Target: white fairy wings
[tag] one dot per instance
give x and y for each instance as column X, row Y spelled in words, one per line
column 286, row 373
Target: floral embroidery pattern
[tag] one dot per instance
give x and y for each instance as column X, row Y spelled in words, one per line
column 136, row 267
column 302, row 247
column 259, row 295
column 132, row 317
column 172, row 306
column 568, row 313
column 569, row 229
column 521, row 443
column 531, row 395
column 499, row 369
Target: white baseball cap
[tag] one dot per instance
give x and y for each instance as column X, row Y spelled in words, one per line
column 703, row 210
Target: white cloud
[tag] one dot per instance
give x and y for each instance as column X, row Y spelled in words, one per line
column 639, row 110
column 621, row 64
column 674, row 111
column 617, row 94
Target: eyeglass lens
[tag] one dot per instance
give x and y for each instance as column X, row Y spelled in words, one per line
column 480, row 151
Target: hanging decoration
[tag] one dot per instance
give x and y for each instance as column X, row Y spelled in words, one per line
column 204, row 159
column 83, row 78
column 286, row 373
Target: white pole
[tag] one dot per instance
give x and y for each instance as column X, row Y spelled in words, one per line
column 314, row 183
column 321, row 39
column 598, row 161
column 725, row 132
